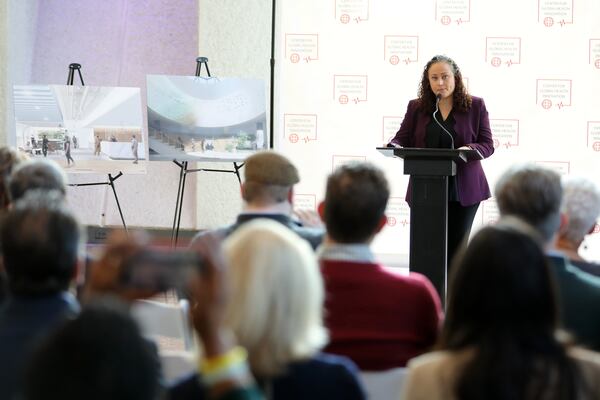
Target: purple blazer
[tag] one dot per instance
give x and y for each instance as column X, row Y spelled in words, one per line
column 472, row 129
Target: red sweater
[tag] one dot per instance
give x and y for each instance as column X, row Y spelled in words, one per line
column 379, row 318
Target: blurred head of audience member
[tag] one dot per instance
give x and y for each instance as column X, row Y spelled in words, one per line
column 276, row 303
column 269, row 179
column 355, row 202
column 9, row 159
column 502, row 308
column 532, row 193
column 41, row 174
column 98, row 355
column 406, row 308
column 581, row 207
column 40, row 239
column 41, row 242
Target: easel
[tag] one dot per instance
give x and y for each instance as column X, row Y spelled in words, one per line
column 111, row 179
column 183, row 169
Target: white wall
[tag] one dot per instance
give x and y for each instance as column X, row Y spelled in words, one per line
column 117, row 43
column 347, row 69
column 236, row 38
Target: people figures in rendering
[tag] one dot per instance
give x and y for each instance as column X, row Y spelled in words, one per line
column 68, row 151
column 134, row 149
column 97, row 146
column 45, row 145
column 445, row 115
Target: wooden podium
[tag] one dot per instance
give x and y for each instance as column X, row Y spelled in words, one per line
column 429, row 170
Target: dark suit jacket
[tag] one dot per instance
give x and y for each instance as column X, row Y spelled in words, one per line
column 472, row 129
column 589, row 267
column 23, row 322
column 323, row 377
column 579, row 301
column 313, row 236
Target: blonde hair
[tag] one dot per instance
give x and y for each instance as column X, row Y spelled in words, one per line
column 276, row 307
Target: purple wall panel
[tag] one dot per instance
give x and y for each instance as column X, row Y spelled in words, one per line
column 117, row 42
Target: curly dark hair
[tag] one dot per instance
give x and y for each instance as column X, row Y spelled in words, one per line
column 461, row 99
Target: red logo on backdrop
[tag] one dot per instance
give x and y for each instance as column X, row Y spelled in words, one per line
column 496, row 61
column 546, row 103
column 394, row 60
column 344, row 18
column 548, row 22
column 496, row 143
column 596, row 146
column 343, row 99
column 391, row 221
column 293, row 138
column 596, row 229
column 295, row 57
column 597, row 63
column 445, row 20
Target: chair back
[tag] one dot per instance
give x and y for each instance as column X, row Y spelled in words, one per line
column 384, row 385
column 164, row 321
column 176, row 364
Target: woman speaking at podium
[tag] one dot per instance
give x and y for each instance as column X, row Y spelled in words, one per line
column 445, row 115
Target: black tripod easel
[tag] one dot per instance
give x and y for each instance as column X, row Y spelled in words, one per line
column 184, row 170
column 111, row 179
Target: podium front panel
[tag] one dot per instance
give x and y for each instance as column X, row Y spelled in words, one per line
column 429, row 167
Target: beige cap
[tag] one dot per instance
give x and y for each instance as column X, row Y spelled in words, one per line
column 270, row 168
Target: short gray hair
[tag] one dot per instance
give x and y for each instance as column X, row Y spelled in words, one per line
column 36, row 174
column 532, row 193
column 581, row 204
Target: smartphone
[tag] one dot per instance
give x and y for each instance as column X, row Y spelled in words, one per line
column 161, row 270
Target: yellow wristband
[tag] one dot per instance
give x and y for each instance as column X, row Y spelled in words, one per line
column 223, row 361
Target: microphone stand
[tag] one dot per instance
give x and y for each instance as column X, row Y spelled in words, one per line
column 437, row 108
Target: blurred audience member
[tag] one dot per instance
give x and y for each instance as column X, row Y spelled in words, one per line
column 41, row 241
column 498, row 340
column 98, row 355
column 9, row 159
column 534, row 194
column 581, row 206
column 268, row 192
column 40, row 174
column 275, row 312
column 223, row 365
column 376, row 316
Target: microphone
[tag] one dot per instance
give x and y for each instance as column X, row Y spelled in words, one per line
column 438, row 97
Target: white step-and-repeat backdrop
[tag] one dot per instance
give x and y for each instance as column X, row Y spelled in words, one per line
column 346, row 70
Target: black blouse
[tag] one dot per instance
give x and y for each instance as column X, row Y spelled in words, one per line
column 435, row 137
